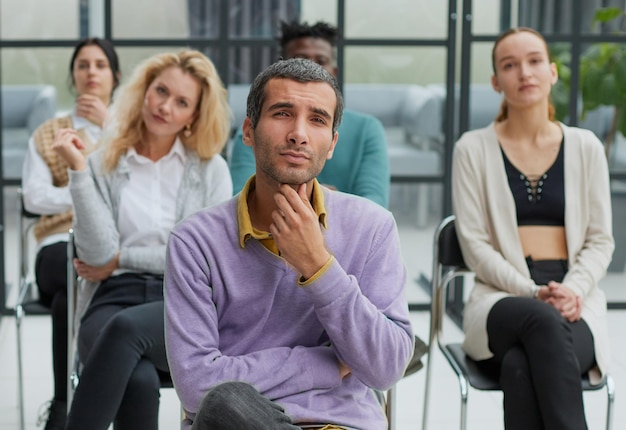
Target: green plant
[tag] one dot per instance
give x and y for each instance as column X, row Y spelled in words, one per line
column 602, row 77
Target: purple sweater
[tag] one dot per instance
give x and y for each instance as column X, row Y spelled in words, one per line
column 236, row 314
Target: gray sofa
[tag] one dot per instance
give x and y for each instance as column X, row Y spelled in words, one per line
column 24, row 108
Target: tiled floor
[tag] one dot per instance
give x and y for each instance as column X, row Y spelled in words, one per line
column 485, row 412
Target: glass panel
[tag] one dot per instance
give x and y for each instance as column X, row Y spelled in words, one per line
column 39, row 20
column 247, row 62
column 249, row 18
column 486, row 16
column 613, row 283
column 417, row 210
column 403, row 88
column 547, row 16
column 602, row 89
column 617, row 155
column 588, row 11
column 480, row 66
column 484, row 101
column 420, row 65
column 396, row 19
column 319, row 10
column 162, row 19
column 49, row 66
column 34, row 89
column 132, row 57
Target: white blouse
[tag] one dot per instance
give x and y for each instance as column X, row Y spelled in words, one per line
column 147, row 208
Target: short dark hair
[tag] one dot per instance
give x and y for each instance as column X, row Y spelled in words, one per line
column 299, row 70
column 109, row 52
column 295, row 30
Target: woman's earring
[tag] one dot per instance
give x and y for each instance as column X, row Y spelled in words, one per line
column 187, row 131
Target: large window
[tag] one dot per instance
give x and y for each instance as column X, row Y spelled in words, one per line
column 398, row 60
column 410, row 57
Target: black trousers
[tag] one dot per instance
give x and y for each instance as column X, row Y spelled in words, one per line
column 51, row 278
column 121, row 344
column 539, row 357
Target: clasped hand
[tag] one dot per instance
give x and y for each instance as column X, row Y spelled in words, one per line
column 563, row 299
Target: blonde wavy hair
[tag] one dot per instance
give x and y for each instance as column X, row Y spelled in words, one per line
column 209, row 130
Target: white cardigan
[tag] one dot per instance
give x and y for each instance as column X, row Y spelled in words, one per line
column 487, row 228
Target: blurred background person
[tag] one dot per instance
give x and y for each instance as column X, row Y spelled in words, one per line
column 360, row 164
column 94, row 75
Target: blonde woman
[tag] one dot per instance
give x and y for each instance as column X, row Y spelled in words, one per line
column 533, row 207
column 160, row 163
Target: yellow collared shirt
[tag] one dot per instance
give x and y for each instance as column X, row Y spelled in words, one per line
column 247, row 231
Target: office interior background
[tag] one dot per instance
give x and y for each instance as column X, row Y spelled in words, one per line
column 422, row 67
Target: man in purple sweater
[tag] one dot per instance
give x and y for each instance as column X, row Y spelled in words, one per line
column 285, row 306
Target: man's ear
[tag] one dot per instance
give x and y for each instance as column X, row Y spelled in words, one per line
column 248, row 132
column 331, row 150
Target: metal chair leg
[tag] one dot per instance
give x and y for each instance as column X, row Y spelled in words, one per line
column 464, row 386
column 390, row 408
column 610, row 394
column 19, row 314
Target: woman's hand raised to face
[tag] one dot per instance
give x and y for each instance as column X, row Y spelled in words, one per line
column 68, row 146
column 92, row 108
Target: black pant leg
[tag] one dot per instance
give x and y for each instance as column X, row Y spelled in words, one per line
column 51, row 278
column 547, row 342
column 123, row 343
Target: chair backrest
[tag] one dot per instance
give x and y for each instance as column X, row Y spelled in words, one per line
column 449, row 253
column 448, row 263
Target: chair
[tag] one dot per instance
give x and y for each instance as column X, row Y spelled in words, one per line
column 28, row 302
column 448, row 264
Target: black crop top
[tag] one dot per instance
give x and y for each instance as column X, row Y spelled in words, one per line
column 539, row 200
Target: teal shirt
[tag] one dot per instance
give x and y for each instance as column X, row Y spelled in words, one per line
column 359, row 166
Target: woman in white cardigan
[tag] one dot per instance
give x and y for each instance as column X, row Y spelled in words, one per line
column 533, row 207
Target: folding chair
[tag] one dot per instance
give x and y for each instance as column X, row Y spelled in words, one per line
column 448, row 264
column 28, row 302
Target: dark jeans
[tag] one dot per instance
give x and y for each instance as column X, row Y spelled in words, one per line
column 121, row 344
column 51, row 278
column 539, row 357
column 239, row 406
